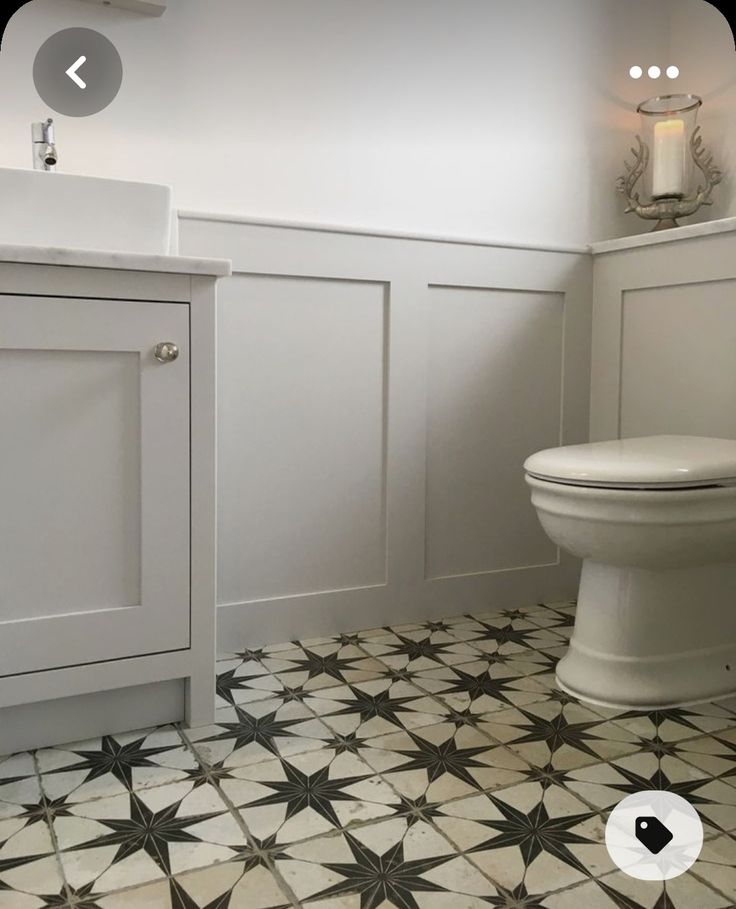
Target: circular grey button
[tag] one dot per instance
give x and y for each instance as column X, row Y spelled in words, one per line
column 78, row 72
column 654, row 835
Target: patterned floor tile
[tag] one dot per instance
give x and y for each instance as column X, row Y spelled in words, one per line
column 442, row 762
column 560, row 617
column 326, row 663
column 603, row 785
column 245, row 734
column 618, row 891
column 416, row 649
column 287, row 800
column 18, row 783
column 243, row 681
column 345, row 756
column 389, row 864
column 715, row 754
column 118, row 842
column 480, row 687
column 229, row 885
column 511, row 635
column 545, row 839
column 676, row 723
column 29, row 871
column 717, row 865
column 561, row 735
column 113, row 765
column 375, row 707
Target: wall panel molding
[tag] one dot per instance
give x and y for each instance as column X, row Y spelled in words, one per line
column 647, row 303
column 517, row 303
column 483, row 341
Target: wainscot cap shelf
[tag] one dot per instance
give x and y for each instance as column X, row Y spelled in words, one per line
column 95, row 258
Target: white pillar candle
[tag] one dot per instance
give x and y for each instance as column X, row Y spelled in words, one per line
column 668, row 164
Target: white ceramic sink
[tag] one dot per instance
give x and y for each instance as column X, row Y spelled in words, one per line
column 52, row 209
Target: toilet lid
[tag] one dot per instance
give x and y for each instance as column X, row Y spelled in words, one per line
column 642, row 463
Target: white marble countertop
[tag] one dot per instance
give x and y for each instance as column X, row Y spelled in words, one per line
column 685, row 232
column 122, row 261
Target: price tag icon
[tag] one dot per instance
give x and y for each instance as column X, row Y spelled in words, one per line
column 652, row 833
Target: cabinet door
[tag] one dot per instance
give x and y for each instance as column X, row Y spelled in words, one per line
column 94, row 481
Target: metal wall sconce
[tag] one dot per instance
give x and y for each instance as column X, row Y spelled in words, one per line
column 665, row 159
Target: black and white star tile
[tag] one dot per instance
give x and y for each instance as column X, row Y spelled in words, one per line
column 113, row 843
column 482, row 687
column 376, row 707
column 112, row 765
column 430, row 765
column 562, row 734
column 543, row 838
column 309, row 794
column 248, row 733
column 419, row 648
column 603, row 785
column 322, row 663
column 243, row 681
column 229, row 885
column 617, row 891
column 29, row 870
column 444, row 761
column 387, row 864
column 679, row 723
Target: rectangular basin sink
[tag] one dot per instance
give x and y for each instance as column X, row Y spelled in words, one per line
column 52, row 209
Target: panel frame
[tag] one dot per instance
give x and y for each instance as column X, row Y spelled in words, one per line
column 348, row 589
column 408, row 266
column 562, row 296
column 685, row 262
column 159, row 622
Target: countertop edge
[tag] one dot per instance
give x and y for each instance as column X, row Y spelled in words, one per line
column 122, row 261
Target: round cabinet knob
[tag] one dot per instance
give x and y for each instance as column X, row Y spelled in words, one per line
column 166, row 351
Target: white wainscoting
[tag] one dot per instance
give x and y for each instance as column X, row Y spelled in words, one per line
column 664, row 337
column 377, row 397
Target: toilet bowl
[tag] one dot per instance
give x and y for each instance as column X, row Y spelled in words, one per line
column 654, row 521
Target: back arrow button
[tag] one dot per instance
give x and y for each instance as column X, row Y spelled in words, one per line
column 72, row 72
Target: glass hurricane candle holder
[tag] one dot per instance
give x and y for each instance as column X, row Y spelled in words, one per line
column 669, row 149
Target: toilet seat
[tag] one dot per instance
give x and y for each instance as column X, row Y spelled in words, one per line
column 648, row 463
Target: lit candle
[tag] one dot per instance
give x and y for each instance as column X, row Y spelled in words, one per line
column 668, row 163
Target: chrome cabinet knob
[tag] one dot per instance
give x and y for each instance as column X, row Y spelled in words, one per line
column 166, row 351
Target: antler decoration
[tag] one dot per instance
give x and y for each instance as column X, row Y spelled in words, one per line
column 628, row 181
column 704, row 161
column 667, row 210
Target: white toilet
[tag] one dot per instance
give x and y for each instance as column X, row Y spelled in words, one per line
column 654, row 520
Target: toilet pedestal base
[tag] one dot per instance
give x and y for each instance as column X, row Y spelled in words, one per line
column 645, row 639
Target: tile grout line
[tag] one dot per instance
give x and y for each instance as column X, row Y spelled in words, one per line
column 596, row 810
column 481, row 791
column 363, row 824
column 49, row 819
column 412, row 681
column 250, row 839
column 437, row 698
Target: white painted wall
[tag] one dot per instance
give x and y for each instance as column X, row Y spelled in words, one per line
column 501, row 119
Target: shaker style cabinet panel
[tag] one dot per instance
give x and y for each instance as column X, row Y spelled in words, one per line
column 94, row 481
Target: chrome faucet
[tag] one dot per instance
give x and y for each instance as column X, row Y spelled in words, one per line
column 45, row 156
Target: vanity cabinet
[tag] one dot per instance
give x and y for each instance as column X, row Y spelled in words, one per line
column 94, row 564
column 107, row 492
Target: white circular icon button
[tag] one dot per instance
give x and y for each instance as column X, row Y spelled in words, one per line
column 654, row 835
